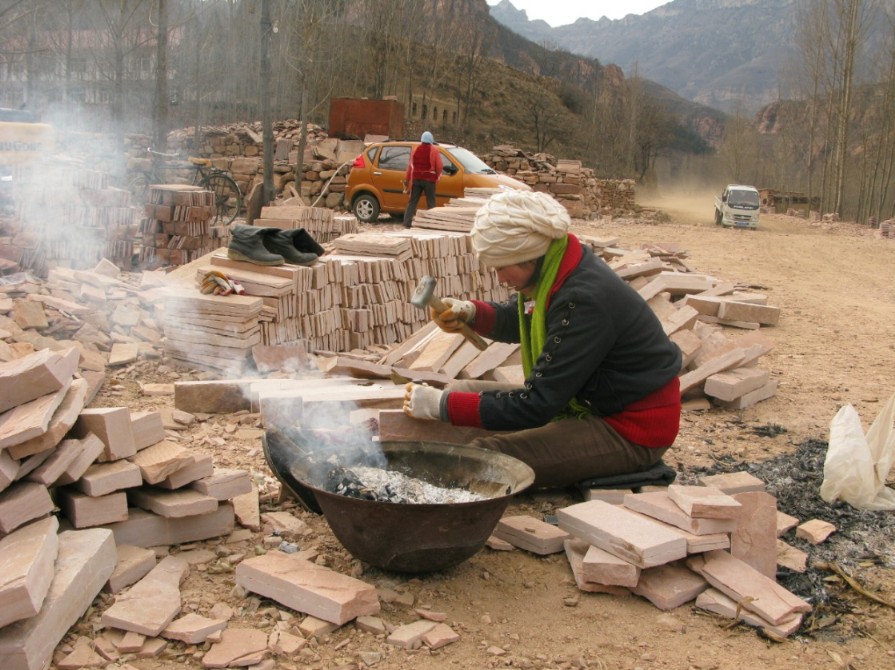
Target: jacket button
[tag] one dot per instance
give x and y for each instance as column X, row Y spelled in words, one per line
column 571, row 305
column 557, row 339
column 524, row 396
column 539, row 374
column 565, row 322
column 548, row 357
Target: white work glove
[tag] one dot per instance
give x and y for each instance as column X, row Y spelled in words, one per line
column 422, row 402
column 458, row 312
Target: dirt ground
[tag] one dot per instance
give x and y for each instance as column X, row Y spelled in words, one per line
column 835, row 284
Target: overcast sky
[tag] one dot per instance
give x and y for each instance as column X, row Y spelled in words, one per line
column 564, row 12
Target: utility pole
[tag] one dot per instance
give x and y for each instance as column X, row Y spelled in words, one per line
column 160, row 138
column 266, row 123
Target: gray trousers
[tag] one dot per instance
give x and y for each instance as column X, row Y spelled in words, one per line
column 567, row 451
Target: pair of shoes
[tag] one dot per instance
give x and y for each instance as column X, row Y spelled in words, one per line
column 272, row 246
column 303, row 241
column 290, row 244
column 247, row 244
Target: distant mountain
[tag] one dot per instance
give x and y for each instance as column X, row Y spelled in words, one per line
column 726, row 54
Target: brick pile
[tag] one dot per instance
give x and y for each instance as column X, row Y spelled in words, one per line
column 576, row 187
column 75, row 224
column 323, row 224
column 887, row 228
column 354, row 297
column 177, row 228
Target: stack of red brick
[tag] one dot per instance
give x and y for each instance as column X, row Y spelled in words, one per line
column 716, row 544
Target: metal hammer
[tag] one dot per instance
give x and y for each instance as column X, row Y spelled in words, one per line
column 424, row 296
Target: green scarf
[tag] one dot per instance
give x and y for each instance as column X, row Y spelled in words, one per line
column 532, row 341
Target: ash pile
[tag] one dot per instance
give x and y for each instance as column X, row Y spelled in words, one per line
column 861, row 541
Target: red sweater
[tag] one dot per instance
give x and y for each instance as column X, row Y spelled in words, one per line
column 425, row 164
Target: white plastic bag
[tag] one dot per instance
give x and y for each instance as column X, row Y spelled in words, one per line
column 856, row 467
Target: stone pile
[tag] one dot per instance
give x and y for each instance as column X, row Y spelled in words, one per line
column 76, row 223
column 576, row 187
column 177, row 227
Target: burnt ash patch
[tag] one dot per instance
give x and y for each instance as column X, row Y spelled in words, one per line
column 794, row 479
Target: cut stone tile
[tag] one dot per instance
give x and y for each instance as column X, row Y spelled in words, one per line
column 248, row 510
column 27, row 557
column 440, row 636
column 769, row 390
column 225, row 484
column 733, row 482
column 622, row 533
column 123, row 353
column 755, row 538
column 144, row 529
column 311, row 626
column 9, row 468
column 31, row 420
column 81, row 656
column 496, row 544
column 104, row 478
column 172, row 504
column 147, row 428
column 659, row 505
column 307, row 587
column 791, row 558
column 86, row 511
column 63, row 419
column 85, row 561
column 612, row 496
column 370, row 624
column 604, row 568
column 576, row 550
column 238, row 647
column 161, row 460
column 57, row 463
column 202, row 466
column 133, row 564
column 22, row 502
column 743, row 583
column 785, row 523
column 285, row 525
column 410, row 636
column 703, row 502
column 531, row 534
column 152, row 603
column 713, row 600
column 193, row 628
column 112, row 425
column 90, row 449
column 815, row 531
column 285, row 644
column 732, row 384
column 131, row 642
column 669, row 586
column 152, row 648
column 30, row 377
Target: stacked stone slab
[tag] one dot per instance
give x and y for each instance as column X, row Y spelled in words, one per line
column 686, row 543
column 74, row 224
column 177, row 228
column 323, row 224
column 572, row 184
column 355, row 297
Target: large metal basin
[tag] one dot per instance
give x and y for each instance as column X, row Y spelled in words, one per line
column 410, row 537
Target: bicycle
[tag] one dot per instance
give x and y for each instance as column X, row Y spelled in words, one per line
column 227, row 196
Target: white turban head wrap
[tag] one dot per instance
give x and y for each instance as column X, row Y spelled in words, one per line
column 517, row 226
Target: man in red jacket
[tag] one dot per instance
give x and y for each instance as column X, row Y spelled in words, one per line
column 423, row 171
column 601, row 396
